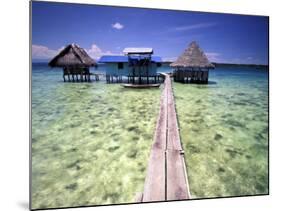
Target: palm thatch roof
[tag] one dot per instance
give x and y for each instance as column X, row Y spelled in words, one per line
column 192, row 57
column 72, row 56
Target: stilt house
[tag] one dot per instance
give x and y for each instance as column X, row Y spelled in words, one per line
column 75, row 62
column 192, row 66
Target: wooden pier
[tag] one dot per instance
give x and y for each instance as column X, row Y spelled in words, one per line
column 141, row 86
column 166, row 177
column 150, row 79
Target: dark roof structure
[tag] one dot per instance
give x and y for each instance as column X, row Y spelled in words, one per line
column 192, row 57
column 72, row 56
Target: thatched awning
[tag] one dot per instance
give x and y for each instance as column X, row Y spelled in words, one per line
column 192, row 57
column 72, row 56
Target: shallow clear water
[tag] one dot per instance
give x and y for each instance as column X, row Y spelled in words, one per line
column 90, row 141
column 224, row 131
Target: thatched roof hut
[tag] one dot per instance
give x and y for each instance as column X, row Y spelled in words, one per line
column 192, row 66
column 72, row 56
column 75, row 63
column 192, row 57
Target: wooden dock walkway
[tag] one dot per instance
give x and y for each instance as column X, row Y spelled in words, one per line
column 166, row 177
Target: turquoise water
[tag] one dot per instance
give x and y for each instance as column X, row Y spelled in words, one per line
column 91, row 141
column 224, row 130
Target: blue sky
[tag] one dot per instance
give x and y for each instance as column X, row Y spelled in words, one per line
column 108, row 30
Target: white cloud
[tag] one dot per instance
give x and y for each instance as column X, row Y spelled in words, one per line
column 95, row 52
column 117, row 25
column 194, row 26
column 43, row 52
column 213, row 57
column 61, row 48
column 245, row 60
column 169, row 59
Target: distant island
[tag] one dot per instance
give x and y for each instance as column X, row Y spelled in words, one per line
column 257, row 66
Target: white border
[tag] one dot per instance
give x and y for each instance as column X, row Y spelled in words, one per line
column 14, row 116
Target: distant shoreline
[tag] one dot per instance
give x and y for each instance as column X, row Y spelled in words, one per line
column 258, row 66
column 232, row 65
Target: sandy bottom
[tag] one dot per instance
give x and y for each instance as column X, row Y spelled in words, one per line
column 224, row 130
column 90, row 143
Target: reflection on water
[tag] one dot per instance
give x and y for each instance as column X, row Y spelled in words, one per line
column 224, row 130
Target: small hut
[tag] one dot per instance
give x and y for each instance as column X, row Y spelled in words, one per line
column 75, row 62
column 192, row 66
column 137, row 65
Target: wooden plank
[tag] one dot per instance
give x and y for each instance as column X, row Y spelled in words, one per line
column 141, row 85
column 173, row 132
column 154, row 187
column 161, row 130
column 138, row 197
column 177, row 187
column 173, row 141
column 166, row 177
